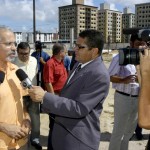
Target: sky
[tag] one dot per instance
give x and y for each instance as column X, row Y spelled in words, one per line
column 18, row 14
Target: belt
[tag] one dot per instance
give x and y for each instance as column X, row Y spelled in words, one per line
column 126, row 94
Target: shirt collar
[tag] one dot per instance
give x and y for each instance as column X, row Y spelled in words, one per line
column 57, row 60
column 21, row 62
column 83, row 65
column 6, row 66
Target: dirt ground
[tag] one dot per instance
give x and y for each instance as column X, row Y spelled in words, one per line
column 106, row 124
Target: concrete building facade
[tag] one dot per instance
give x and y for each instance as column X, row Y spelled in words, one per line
column 142, row 13
column 77, row 16
column 128, row 21
column 110, row 23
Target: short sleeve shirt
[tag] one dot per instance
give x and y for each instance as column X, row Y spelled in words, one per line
column 11, row 105
column 55, row 73
column 45, row 57
column 123, row 71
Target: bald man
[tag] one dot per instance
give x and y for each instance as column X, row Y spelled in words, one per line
column 14, row 120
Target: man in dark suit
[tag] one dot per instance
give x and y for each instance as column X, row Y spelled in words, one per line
column 79, row 105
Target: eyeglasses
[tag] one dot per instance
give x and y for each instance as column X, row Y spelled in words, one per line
column 23, row 54
column 80, row 46
column 9, row 44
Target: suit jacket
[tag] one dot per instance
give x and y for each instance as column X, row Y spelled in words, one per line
column 78, row 108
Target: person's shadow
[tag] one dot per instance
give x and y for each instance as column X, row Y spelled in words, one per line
column 145, row 137
column 105, row 136
column 44, row 141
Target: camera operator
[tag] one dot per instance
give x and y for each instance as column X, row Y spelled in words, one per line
column 124, row 81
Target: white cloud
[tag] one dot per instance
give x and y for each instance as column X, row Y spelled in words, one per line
column 16, row 9
column 20, row 12
column 23, row 9
column 125, row 3
column 113, row 6
column 89, row 2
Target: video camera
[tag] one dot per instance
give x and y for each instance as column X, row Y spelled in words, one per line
column 131, row 55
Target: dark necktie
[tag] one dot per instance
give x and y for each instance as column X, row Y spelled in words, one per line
column 78, row 69
column 74, row 72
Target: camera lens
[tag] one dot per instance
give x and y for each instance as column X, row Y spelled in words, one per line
column 134, row 57
column 129, row 56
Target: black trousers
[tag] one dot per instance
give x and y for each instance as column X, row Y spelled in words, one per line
column 138, row 130
column 40, row 81
column 51, row 125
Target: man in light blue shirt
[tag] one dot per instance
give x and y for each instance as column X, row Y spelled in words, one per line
column 41, row 57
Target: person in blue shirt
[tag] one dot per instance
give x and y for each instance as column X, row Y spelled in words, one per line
column 42, row 57
column 67, row 60
column 67, row 63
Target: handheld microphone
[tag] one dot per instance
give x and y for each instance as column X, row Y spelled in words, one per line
column 23, row 77
column 2, row 77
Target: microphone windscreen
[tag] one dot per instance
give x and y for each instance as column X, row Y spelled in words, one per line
column 2, row 76
column 21, row 74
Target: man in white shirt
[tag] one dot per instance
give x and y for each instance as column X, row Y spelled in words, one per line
column 124, row 81
column 29, row 65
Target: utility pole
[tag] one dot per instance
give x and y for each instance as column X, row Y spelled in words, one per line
column 56, row 32
column 34, row 23
column 65, row 30
column 108, row 43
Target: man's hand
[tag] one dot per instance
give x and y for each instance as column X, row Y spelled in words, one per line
column 14, row 131
column 26, row 126
column 144, row 96
column 42, row 60
column 130, row 79
column 143, row 67
column 36, row 93
column 138, row 74
column 145, row 63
